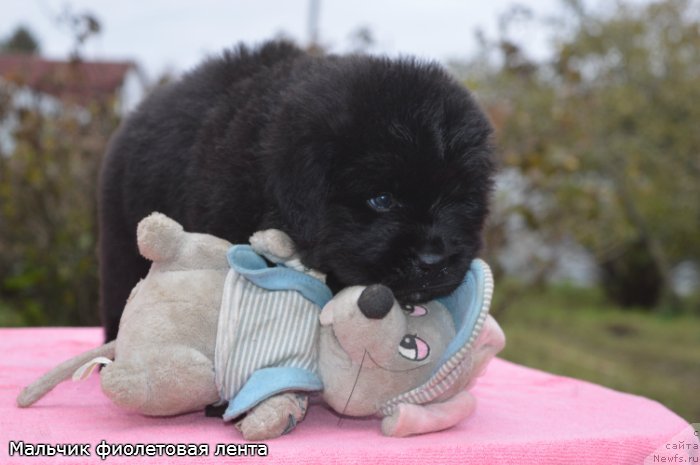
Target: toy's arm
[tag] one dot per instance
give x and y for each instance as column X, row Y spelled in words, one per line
column 274, row 244
column 490, row 342
column 278, row 247
column 273, row 417
column 410, row 419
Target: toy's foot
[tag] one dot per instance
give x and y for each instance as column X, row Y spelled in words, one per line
column 274, row 417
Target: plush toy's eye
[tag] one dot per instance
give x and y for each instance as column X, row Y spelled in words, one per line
column 382, row 203
column 414, row 310
column 414, row 348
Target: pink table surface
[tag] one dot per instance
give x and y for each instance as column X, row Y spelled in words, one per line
column 523, row 416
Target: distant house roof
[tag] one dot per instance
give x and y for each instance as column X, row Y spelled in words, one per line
column 76, row 81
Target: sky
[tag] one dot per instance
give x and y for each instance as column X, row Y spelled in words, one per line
column 174, row 35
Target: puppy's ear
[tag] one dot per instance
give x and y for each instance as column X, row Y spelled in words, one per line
column 300, row 188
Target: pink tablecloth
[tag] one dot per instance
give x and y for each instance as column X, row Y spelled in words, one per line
column 523, row 416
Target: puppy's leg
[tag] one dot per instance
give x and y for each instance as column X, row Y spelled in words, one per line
column 121, row 267
column 174, row 380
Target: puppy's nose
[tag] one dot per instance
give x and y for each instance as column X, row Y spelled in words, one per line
column 431, row 254
column 376, row 301
column 430, row 259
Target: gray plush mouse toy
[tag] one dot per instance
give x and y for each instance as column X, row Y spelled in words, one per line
column 213, row 323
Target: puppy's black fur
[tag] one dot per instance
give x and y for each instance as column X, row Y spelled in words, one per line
column 378, row 169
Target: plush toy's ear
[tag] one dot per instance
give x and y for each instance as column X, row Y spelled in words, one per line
column 159, row 237
column 410, row 419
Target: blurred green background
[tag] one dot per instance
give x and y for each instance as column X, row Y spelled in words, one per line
column 594, row 236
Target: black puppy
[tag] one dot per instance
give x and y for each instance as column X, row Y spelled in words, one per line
column 379, row 170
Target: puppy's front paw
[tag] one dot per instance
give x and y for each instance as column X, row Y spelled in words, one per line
column 274, row 417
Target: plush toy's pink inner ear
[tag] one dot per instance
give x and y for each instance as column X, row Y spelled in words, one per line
column 418, row 311
column 410, row 419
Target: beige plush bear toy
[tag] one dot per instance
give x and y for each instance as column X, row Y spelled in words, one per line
column 213, row 323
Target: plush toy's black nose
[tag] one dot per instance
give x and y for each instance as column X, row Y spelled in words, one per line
column 376, row 301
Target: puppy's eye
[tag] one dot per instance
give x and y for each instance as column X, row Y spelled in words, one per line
column 382, row 203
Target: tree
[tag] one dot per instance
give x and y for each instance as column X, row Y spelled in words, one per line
column 604, row 136
column 48, row 192
column 48, row 230
column 362, row 39
column 20, row 41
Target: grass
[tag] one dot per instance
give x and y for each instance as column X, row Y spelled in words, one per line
column 574, row 332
